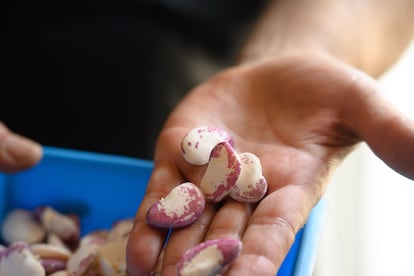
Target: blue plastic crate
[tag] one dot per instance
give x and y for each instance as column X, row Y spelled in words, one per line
column 104, row 188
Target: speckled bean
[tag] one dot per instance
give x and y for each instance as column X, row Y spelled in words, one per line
column 208, row 258
column 222, row 172
column 180, row 207
column 198, row 143
column 251, row 185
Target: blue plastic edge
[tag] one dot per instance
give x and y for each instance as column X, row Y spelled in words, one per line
column 307, row 254
column 288, row 266
column 95, row 157
column 301, row 257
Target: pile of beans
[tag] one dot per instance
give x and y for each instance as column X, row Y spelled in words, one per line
column 46, row 242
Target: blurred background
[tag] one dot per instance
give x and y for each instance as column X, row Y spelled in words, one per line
column 369, row 222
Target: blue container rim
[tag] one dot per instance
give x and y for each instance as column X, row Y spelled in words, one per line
column 73, row 154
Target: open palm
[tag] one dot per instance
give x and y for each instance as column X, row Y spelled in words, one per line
column 301, row 116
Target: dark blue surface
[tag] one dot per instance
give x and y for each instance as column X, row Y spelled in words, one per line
column 103, row 188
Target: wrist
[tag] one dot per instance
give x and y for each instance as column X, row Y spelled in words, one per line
column 354, row 32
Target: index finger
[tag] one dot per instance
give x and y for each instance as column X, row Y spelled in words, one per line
column 145, row 242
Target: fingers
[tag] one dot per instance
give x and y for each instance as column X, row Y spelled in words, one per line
column 267, row 231
column 267, row 239
column 271, row 231
column 388, row 132
column 143, row 249
column 271, row 228
column 145, row 242
column 230, row 220
column 17, row 152
column 185, row 238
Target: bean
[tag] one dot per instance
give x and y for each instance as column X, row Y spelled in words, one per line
column 198, row 143
column 181, row 207
column 208, row 258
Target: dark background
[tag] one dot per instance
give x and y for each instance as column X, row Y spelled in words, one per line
column 103, row 75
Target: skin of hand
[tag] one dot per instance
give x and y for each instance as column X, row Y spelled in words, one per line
column 301, row 115
column 17, row 152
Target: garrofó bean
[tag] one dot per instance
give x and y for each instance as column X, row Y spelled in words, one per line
column 17, row 259
column 198, row 143
column 98, row 237
column 222, row 172
column 52, row 257
column 251, row 185
column 54, row 239
column 52, row 265
column 111, row 259
column 101, row 252
column 66, row 227
column 83, row 259
column 60, row 273
column 180, row 207
column 208, row 258
column 50, row 251
column 120, row 229
column 21, row 225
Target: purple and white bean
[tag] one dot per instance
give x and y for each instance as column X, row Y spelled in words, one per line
column 180, row 207
column 208, row 258
column 251, row 185
column 21, row 225
column 222, row 172
column 101, row 252
column 198, row 143
column 17, row 259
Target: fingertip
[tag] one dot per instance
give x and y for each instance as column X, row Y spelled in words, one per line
column 18, row 152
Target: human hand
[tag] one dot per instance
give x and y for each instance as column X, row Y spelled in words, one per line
column 17, row 152
column 301, row 116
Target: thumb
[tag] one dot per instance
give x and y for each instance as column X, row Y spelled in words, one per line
column 387, row 131
column 17, row 152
